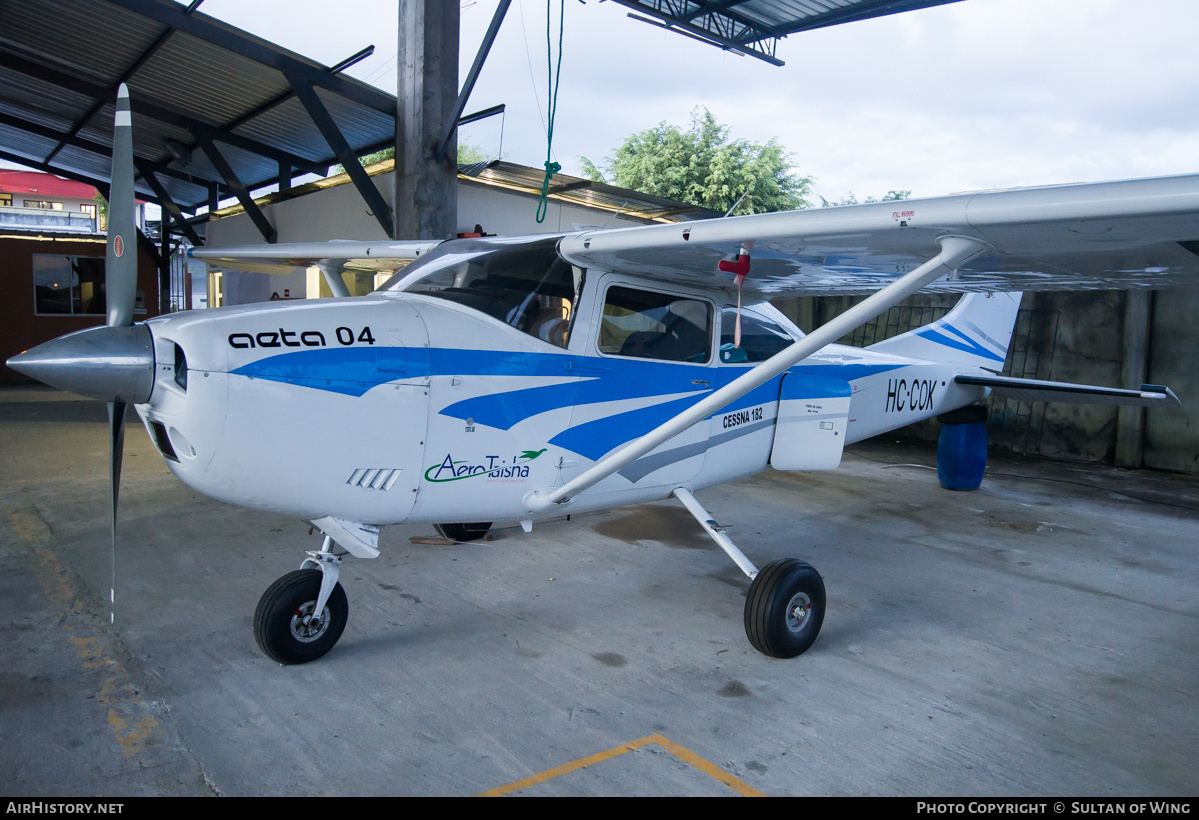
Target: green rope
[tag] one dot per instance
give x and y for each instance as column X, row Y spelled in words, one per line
column 552, row 85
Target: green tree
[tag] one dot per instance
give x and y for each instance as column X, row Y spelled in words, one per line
column 467, row 153
column 850, row 199
column 704, row 166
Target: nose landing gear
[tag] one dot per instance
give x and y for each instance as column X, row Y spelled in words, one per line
column 302, row 615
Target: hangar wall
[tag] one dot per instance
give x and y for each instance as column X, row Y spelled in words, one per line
column 338, row 212
column 1071, row 337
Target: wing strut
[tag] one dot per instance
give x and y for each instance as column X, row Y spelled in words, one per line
column 955, row 252
column 331, row 270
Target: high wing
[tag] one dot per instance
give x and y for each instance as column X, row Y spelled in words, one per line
column 339, row 255
column 1097, row 236
column 1093, row 236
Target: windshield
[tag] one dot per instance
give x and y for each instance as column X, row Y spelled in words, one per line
column 524, row 284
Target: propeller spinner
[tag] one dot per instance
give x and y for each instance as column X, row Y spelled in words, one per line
column 114, row 363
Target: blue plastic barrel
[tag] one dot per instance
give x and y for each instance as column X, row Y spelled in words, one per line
column 962, row 448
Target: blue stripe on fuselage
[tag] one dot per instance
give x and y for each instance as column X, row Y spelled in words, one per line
column 355, row 370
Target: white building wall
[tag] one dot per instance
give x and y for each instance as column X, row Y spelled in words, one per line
column 339, row 212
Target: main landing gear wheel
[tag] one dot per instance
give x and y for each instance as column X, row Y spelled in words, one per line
column 286, row 628
column 785, row 608
column 462, row 532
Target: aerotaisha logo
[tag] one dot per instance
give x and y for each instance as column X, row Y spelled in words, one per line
column 493, row 467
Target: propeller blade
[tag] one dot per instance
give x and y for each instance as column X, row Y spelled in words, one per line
column 116, row 447
column 120, row 263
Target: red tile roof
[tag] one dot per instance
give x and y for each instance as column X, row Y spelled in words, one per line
column 35, row 182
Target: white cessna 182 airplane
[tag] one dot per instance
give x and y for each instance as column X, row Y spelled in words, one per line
column 527, row 377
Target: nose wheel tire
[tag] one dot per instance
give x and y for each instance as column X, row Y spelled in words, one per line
column 462, row 532
column 784, row 609
column 285, row 626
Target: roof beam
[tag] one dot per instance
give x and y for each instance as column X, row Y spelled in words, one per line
column 260, row 51
column 349, row 160
column 707, row 7
column 239, row 190
column 87, row 145
column 168, row 204
column 125, row 75
column 742, row 42
column 158, row 112
column 443, row 147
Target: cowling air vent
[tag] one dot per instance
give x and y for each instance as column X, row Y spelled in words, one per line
column 374, row 478
column 180, row 367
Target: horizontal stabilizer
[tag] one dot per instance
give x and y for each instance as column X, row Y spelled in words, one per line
column 1150, row 395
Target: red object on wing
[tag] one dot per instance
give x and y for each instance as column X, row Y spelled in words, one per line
column 738, row 265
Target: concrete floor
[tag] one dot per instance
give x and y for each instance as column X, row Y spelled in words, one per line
column 1037, row 637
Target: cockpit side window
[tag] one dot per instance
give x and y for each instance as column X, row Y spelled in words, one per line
column 647, row 325
column 527, row 286
column 760, row 337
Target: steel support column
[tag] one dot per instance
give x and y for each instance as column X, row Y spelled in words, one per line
column 1134, row 371
column 426, row 196
column 451, row 124
column 164, row 267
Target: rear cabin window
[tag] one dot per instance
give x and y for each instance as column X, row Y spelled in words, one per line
column 526, row 285
column 646, row 325
column 760, row 337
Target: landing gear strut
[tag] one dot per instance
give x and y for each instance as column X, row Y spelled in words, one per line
column 784, row 609
column 301, row 616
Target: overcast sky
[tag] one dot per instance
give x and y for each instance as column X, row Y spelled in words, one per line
column 976, row 94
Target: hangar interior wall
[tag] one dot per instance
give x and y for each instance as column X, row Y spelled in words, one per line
column 1070, row 337
column 338, row 212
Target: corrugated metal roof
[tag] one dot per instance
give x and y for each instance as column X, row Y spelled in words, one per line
column 189, row 75
column 754, row 27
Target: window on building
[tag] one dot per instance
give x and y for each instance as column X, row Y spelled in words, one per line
column 44, row 204
column 88, row 209
column 647, row 325
column 68, row 285
column 5, row 200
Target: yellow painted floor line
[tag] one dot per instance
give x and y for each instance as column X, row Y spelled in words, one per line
column 134, row 728
column 685, row 755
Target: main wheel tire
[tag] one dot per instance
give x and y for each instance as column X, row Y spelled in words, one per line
column 784, row 609
column 283, row 624
column 463, row 532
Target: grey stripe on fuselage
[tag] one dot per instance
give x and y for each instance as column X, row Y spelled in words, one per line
column 645, row 465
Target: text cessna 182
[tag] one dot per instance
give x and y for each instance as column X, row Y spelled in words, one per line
column 527, row 377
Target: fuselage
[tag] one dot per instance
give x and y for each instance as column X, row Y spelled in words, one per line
column 404, row 406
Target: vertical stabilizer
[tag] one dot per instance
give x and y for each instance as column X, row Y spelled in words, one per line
column 975, row 333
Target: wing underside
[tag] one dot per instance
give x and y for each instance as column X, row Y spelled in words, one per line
column 1101, row 236
column 1098, row 236
column 364, row 257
